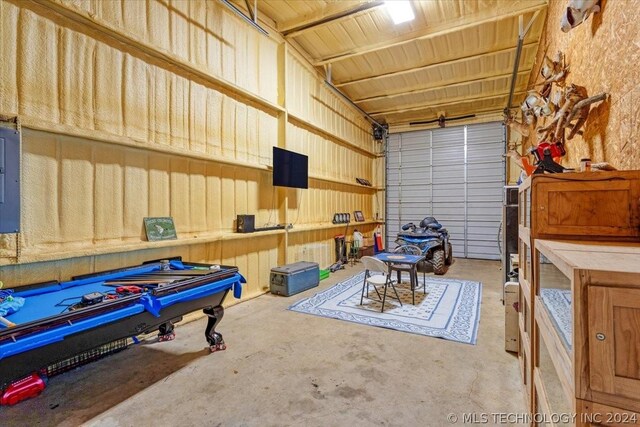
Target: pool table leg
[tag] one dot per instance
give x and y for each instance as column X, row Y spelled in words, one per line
column 216, row 343
column 165, row 332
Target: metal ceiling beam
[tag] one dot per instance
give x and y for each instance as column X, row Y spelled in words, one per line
column 463, row 82
column 252, row 15
column 329, row 18
column 522, row 33
column 402, row 126
column 426, row 67
column 411, row 37
column 346, row 98
column 441, row 104
column 250, row 21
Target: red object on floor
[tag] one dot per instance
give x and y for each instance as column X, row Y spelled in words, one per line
column 23, row 389
column 379, row 247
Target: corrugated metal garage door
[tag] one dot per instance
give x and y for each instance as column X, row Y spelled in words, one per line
column 455, row 174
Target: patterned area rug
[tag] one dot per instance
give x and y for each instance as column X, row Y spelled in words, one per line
column 449, row 310
column 558, row 303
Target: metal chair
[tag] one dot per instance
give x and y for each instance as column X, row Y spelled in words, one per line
column 413, row 273
column 372, row 264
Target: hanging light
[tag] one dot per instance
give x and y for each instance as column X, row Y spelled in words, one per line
column 400, row 11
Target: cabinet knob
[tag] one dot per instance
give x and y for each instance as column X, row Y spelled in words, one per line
column 600, row 336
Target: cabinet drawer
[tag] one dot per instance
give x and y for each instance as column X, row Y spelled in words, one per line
column 578, row 208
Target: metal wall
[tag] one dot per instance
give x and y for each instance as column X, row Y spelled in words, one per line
column 455, row 174
column 169, row 108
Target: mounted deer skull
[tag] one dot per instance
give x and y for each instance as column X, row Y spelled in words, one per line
column 537, row 105
column 577, row 12
column 573, row 94
column 552, row 71
column 522, row 128
column 514, row 155
column 521, row 161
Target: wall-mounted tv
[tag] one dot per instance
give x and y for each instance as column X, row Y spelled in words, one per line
column 290, row 169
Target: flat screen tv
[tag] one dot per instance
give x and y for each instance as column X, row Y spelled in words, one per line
column 290, row 169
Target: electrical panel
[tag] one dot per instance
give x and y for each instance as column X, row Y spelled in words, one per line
column 9, row 180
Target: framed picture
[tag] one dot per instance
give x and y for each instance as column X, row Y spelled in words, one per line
column 160, row 228
column 358, row 216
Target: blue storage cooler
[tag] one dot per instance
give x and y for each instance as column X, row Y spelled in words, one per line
column 294, row 278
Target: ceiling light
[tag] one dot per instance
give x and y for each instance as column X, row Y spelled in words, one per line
column 400, row 11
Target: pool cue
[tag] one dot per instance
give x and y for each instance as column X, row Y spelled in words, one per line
column 181, row 272
column 6, row 322
column 135, row 283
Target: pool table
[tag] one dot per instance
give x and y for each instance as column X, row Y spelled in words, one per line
column 62, row 319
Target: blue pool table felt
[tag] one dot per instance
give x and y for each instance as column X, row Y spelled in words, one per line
column 41, row 303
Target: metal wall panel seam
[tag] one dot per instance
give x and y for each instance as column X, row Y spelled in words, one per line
column 386, row 191
column 466, row 197
column 431, row 168
column 399, row 181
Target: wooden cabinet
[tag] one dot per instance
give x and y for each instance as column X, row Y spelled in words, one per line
column 586, row 340
column 583, row 206
column 614, row 341
column 577, row 206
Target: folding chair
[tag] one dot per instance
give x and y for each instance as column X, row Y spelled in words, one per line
column 372, row 264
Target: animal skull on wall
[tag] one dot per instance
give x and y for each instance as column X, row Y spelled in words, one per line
column 553, row 71
column 565, row 115
column 537, row 105
column 577, row 12
column 521, row 128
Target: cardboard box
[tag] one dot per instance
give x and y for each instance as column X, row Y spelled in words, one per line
column 366, row 251
column 367, row 241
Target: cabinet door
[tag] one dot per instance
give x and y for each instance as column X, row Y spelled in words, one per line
column 587, row 208
column 614, row 341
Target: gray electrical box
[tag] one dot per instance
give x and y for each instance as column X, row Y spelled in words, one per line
column 9, row 180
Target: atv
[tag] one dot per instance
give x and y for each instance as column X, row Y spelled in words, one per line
column 433, row 241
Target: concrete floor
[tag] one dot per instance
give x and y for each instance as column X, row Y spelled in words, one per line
column 283, row 368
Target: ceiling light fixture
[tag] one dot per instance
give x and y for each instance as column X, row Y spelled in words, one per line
column 400, row 11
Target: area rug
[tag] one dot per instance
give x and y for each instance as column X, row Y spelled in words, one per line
column 449, row 310
column 558, row 303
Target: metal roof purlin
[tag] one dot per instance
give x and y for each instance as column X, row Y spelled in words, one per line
column 435, row 64
column 451, row 84
column 429, row 34
column 439, row 105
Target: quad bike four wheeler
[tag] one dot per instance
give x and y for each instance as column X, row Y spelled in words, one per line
column 433, row 241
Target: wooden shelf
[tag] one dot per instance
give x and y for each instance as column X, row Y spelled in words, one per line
column 541, row 398
column 560, row 356
column 342, row 182
column 599, row 368
column 328, row 225
column 202, row 238
column 183, row 240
